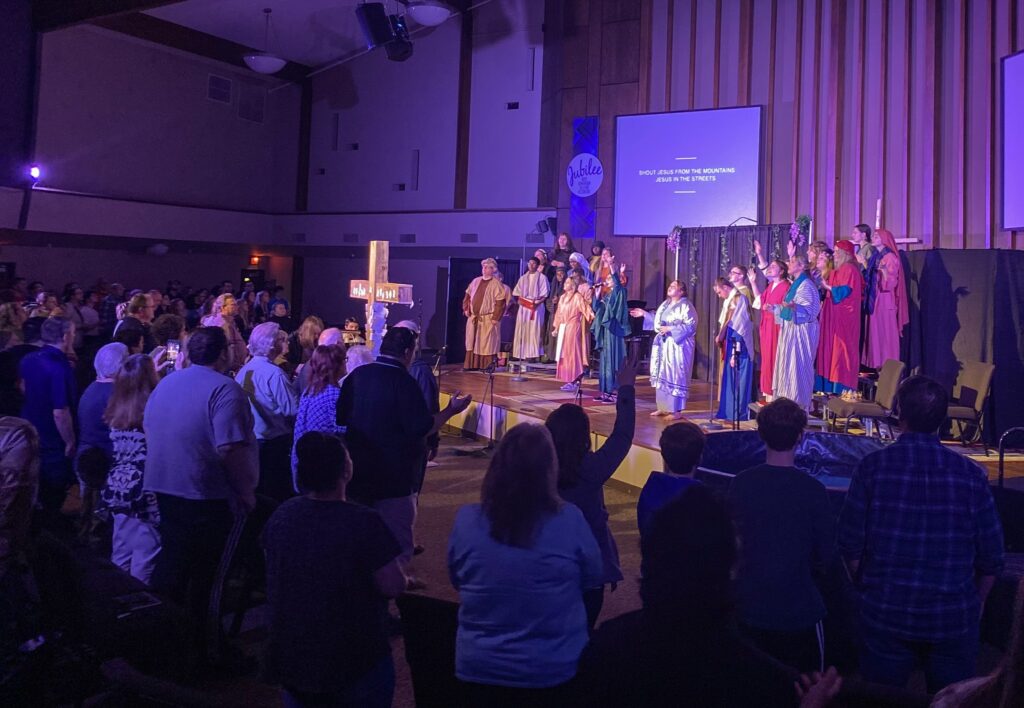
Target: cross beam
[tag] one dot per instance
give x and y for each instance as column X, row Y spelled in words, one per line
column 377, row 288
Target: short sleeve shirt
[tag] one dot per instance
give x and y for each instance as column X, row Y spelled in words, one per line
column 189, row 415
column 49, row 386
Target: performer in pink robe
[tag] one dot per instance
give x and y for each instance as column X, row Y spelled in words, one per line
column 839, row 343
column 885, row 302
column 573, row 312
column 767, row 301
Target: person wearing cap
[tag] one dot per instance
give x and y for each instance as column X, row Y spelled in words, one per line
column 483, row 305
column 839, row 342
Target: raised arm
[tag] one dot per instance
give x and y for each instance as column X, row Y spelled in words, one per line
column 610, row 455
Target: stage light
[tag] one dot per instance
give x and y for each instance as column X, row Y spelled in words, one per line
column 35, row 173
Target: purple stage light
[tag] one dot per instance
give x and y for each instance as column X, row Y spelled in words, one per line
column 35, row 172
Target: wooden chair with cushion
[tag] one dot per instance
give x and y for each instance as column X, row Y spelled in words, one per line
column 888, row 381
column 967, row 407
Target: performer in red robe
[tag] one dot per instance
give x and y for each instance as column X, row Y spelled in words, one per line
column 839, row 343
column 767, row 301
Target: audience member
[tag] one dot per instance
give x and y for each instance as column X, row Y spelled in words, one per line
column 132, row 335
column 168, row 327
column 787, row 535
column 304, row 340
column 521, row 560
column 318, row 407
column 11, row 396
column 682, row 445
column 356, row 356
column 19, row 484
column 582, row 473
column 50, row 398
column 331, row 565
column 92, row 429
column 923, row 543
column 108, row 309
column 330, row 337
column 682, row 648
column 222, row 314
column 139, row 313
column 425, row 379
column 136, row 538
column 202, row 464
column 387, row 425
column 274, row 403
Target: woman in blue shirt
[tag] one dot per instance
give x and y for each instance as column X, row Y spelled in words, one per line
column 521, row 560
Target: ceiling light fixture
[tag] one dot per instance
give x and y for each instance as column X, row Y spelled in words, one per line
column 429, row 13
column 264, row 62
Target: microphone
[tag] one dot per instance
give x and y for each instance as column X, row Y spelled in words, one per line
column 440, row 355
column 579, row 379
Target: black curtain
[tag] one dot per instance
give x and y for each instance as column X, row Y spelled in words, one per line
column 968, row 305
column 705, row 254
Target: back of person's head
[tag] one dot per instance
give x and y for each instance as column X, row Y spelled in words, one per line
column 570, row 432
column 264, row 339
column 167, row 327
column 206, row 345
column 93, row 466
column 32, row 330
column 398, row 342
column 132, row 386
column 780, row 424
column 330, row 337
column 519, row 487
column 688, row 557
column 108, row 359
column 322, row 462
column 131, row 334
column 864, row 229
column 358, row 355
column 921, row 404
column 54, row 329
column 137, row 304
column 682, row 445
column 309, row 331
column 326, row 367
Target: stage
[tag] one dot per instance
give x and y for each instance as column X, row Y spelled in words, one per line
column 531, row 401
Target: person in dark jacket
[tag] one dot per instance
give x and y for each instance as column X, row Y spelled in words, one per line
column 582, row 473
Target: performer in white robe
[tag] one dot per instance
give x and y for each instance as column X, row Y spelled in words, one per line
column 530, row 293
column 798, row 338
column 675, row 324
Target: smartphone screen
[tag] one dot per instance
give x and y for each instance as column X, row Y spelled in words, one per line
column 173, row 347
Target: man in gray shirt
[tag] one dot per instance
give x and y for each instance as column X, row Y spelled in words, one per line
column 202, row 465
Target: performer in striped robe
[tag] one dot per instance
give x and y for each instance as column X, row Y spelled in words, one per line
column 798, row 339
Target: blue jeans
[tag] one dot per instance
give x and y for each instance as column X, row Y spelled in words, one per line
column 374, row 690
column 889, row 660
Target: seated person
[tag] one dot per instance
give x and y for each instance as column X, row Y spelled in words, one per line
column 352, row 333
column 682, row 445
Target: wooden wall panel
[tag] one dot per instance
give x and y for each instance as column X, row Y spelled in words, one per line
column 905, row 111
column 620, row 58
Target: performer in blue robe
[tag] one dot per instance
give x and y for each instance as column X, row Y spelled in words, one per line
column 736, row 337
column 611, row 325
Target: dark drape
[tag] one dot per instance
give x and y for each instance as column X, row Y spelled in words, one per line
column 705, row 254
column 968, row 305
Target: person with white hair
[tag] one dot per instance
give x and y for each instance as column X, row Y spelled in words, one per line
column 483, row 305
column 358, row 355
column 274, row 403
column 93, row 432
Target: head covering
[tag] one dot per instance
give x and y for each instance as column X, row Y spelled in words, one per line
column 584, row 265
column 491, row 262
column 109, row 359
column 845, row 245
column 900, row 291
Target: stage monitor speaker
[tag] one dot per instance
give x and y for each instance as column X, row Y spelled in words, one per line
column 373, row 19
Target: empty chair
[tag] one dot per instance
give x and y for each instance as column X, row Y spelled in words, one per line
column 967, row 406
column 881, row 408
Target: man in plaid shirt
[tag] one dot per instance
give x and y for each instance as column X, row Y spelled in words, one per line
column 921, row 537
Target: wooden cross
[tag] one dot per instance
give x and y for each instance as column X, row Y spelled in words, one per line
column 377, row 288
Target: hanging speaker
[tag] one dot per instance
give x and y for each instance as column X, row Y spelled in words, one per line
column 373, row 19
column 541, row 226
column 400, row 47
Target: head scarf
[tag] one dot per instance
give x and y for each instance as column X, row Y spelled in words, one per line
column 584, row 266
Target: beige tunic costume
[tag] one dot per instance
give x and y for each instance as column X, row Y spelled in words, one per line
column 484, row 305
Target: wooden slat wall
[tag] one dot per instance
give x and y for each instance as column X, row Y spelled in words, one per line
column 866, row 99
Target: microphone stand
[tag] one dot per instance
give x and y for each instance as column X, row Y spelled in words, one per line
column 736, row 390
column 490, row 388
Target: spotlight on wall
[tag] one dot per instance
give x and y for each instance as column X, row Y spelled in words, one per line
column 35, row 173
